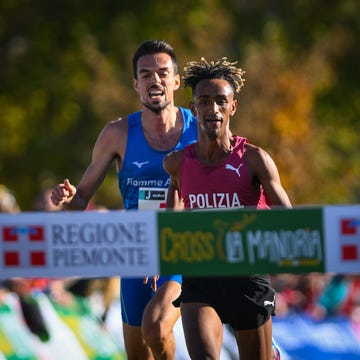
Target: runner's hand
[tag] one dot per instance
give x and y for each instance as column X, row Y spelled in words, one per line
column 154, row 280
column 63, row 193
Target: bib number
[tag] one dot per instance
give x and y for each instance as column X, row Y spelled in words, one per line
column 152, row 198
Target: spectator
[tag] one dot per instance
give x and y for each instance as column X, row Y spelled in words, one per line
column 8, row 203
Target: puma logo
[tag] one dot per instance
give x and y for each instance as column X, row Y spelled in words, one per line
column 267, row 302
column 140, row 164
column 237, row 170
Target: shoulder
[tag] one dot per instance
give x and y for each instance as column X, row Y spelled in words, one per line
column 113, row 137
column 172, row 161
column 187, row 114
column 184, row 110
column 258, row 160
column 254, row 153
column 175, row 155
column 116, row 128
column 119, row 124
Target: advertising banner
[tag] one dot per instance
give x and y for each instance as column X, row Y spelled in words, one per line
column 78, row 244
column 342, row 229
column 207, row 242
column 235, row 242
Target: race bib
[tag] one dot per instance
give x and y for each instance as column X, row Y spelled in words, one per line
column 152, row 198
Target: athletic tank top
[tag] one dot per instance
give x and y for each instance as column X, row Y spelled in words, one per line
column 142, row 176
column 227, row 185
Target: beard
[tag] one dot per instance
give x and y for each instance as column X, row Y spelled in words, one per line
column 156, row 108
column 211, row 133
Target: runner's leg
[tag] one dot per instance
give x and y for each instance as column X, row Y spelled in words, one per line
column 159, row 318
column 256, row 344
column 203, row 331
column 134, row 297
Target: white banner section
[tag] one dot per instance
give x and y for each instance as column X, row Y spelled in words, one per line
column 87, row 244
column 342, row 234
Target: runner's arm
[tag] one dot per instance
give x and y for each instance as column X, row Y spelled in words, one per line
column 104, row 152
column 263, row 168
column 172, row 165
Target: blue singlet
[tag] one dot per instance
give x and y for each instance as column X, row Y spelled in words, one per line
column 142, row 171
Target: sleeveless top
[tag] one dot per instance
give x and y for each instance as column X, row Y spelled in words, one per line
column 142, row 176
column 227, row 185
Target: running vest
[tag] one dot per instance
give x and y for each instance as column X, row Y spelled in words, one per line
column 142, row 176
column 224, row 186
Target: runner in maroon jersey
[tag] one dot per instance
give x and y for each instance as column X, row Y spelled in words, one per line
column 223, row 170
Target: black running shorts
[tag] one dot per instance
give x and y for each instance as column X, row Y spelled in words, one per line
column 243, row 302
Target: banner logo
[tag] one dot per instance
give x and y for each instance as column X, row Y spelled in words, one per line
column 23, row 246
column 243, row 238
column 350, row 239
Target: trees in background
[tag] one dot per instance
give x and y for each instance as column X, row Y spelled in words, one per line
column 65, row 70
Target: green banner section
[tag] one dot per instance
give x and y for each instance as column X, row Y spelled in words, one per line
column 242, row 241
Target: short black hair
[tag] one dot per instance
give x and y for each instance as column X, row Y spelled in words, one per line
column 151, row 47
column 195, row 71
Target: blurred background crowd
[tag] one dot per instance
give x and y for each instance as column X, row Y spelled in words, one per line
column 318, row 295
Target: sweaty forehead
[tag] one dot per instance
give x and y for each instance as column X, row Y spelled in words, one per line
column 154, row 62
column 213, row 87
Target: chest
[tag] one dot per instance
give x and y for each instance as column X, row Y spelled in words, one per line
column 230, row 176
column 163, row 141
column 227, row 185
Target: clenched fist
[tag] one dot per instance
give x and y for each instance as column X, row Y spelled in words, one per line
column 63, row 193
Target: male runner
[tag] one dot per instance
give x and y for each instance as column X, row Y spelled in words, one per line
column 223, row 165
column 137, row 143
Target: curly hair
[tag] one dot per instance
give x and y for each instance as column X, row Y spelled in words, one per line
column 195, row 71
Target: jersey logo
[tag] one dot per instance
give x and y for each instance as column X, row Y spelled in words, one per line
column 237, row 170
column 140, row 164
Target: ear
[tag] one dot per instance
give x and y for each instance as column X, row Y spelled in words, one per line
column 135, row 84
column 192, row 108
column 177, row 82
column 233, row 107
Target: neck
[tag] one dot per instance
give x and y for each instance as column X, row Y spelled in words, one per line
column 213, row 152
column 162, row 131
column 161, row 121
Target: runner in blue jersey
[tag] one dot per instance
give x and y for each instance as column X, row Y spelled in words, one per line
column 137, row 144
column 142, row 164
